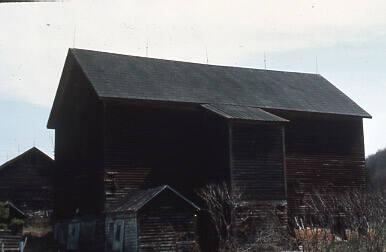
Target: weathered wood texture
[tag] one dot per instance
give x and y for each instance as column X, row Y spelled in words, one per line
column 258, row 173
column 322, row 152
column 130, row 233
column 150, row 146
column 257, row 161
column 28, row 182
column 91, row 233
column 263, row 212
column 78, row 151
column 167, row 224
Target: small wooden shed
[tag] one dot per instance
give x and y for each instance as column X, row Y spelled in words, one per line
column 156, row 219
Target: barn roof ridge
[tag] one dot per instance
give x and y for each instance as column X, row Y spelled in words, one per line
column 20, row 156
column 137, row 199
column 75, row 50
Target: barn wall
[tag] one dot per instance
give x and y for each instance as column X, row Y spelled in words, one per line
column 28, row 183
column 257, row 161
column 89, row 235
column 149, row 146
column 129, row 236
column 167, row 224
column 323, row 152
column 78, row 151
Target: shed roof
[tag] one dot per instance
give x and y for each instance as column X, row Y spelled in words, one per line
column 243, row 113
column 137, row 199
column 11, row 205
column 115, row 76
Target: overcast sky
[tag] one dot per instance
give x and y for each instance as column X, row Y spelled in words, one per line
column 345, row 41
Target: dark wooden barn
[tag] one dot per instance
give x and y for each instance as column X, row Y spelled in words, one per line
column 27, row 181
column 125, row 123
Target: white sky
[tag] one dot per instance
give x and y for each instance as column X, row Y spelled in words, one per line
column 347, row 37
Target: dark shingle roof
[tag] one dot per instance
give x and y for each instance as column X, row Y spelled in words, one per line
column 132, row 77
column 243, row 113
column 32, row 151
column 136, row 199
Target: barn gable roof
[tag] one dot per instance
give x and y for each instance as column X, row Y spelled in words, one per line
column 137, row 199
column 115, row 76
column 32, row 151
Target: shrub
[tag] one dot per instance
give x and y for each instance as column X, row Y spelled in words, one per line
column 3, row 226
column 348, row 221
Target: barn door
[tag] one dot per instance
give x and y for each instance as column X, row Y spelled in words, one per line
column 73, row 236
column 118, row 236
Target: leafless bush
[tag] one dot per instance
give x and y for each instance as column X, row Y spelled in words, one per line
column 220, row 204
column 239, row 227
column 348, row 221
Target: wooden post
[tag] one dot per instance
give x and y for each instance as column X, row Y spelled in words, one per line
column 284, row 162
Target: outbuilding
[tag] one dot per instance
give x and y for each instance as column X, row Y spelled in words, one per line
column 155, row 219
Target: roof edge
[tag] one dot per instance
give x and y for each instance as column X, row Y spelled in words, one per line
column 9, row 203
column 135, row 99
column 71, row 61
column 163, row 188
column 9, row 162
column 160, row 190
column 189, row 62
column 275, row 119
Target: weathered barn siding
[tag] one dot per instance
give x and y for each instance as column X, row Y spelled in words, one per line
column 148, row 146
column 85, row 233
column 257, row 161
column 322, row 152
column 92, row 235
column 28, row 181
column 131, row 234
column 128, row 239
column 78, row 151
column 258, row 174
column 166, row 224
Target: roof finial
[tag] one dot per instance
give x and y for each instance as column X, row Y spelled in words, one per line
column 265, row 62
column 316, row 65
column 147, row 46
column 74, row 36
column 206, row 53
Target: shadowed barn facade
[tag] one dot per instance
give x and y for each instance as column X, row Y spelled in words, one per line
column 126, row 124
